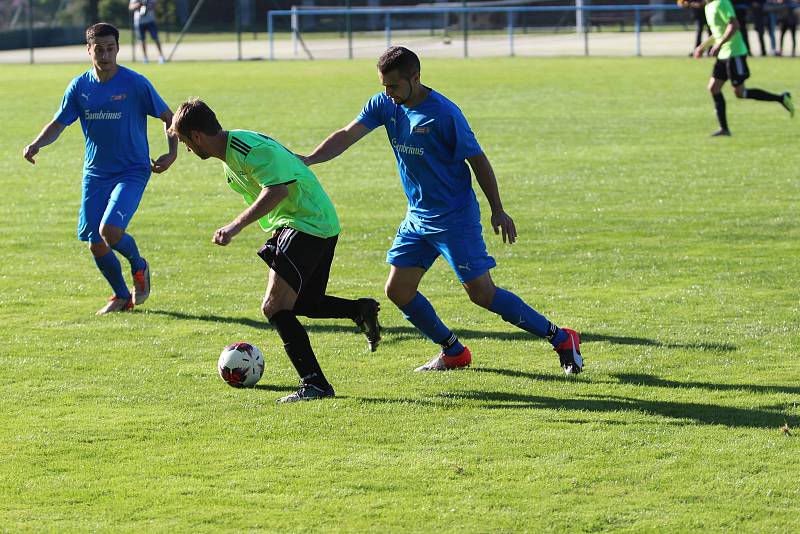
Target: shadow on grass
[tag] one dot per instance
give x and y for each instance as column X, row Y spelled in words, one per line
column 272, row 387
column 687, row 412
column 636, row 379
column 398, row 333
column 587, row 337
column 211, row 318
column 706, row 414
column 556, row 376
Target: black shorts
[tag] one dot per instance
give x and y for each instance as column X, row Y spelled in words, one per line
column 733, row 69
column 301, row 259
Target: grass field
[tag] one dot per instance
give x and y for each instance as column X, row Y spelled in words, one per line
column 674, row 254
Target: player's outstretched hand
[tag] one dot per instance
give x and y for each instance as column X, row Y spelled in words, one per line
column 28, row 153
column 503, row 221
column 224, row 235
column 162, row 163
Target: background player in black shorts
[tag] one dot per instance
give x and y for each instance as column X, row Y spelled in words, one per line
column 728, row 47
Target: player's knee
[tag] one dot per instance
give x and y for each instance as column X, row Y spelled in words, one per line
column 738, row 91
column 391, row 292
column 270, row 307
column 111, row 234
column 275, row 302
column 481, row 296
column 399, row 295
column 480, row 299
column 99, row 249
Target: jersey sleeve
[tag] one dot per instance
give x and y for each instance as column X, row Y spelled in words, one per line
column 372, row 114
column 464, row 143
column 151, row 102
column 69, row 110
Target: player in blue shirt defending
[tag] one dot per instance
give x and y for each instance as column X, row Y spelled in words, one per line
column 432, row 144
column 112, row 103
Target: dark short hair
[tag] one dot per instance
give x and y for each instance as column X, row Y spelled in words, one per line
column 101, row 29
column 401, row 59
column 194, row 115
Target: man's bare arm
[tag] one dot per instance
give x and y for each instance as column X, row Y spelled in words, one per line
column 49, row 134
column 164, row 161
column 336, row 143
column 269, row 198
column 484, row 174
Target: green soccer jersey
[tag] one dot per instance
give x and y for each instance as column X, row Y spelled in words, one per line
column 718, row 14
column 254, row 161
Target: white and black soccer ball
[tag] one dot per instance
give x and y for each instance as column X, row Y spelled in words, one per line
column 241, row 365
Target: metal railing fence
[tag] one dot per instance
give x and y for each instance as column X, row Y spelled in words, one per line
column 582, row 14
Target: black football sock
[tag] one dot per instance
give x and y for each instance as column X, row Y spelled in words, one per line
column 552, row 332
column 328, row 307
column 298, row 348
column 758, row 94
column 452, row 346
column 719, row 105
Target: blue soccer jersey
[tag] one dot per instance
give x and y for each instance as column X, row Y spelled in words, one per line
column 113, row 116
column 431, row 143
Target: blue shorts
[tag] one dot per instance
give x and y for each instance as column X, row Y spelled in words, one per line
column 147, row 27
column 108, row 201
column 462, row 247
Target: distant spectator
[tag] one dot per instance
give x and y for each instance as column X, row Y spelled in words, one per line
column 699, row 18
column 787, row 22
column 144, row 20
column 762, row 21
column 741, row 17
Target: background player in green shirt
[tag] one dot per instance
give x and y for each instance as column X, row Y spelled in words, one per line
column 286, row 198
column 728, row 47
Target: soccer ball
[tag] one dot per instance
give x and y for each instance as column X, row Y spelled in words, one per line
column 241, row 365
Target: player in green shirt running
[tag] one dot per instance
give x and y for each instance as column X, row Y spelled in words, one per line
column 727, row 45
column 286, row 199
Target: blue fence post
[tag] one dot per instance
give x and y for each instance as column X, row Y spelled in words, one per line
column 511, row 33
column 637, row 25
column 271, row 36
column 388, row 25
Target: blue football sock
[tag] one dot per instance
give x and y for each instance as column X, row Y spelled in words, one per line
column 559, row 337
column 112, row 270
column 421, row 314
column 127, row 247
column 514, row 310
